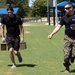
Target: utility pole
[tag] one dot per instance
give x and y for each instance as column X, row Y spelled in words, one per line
column 56, row 14
column 48, row 11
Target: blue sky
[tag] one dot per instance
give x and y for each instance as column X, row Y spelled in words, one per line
column 30, row 2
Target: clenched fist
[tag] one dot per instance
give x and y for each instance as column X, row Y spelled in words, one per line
column 50, row 36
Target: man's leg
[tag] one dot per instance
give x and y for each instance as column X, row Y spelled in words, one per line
column 12, row 58
column 17, row 53
column 10, row 44
column 73, row 50
column 67, row 55
column 16, row 48
column 73, row 53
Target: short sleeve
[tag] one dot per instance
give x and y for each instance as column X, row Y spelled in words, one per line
column 20, row 21
column 2, row 20
column 62, row 22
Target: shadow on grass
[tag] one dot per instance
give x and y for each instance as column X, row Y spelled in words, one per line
column 23, row 65
column 62, row 71
column 72, row 71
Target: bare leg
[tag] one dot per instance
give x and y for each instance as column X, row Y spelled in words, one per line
column 17, row 53
column 12, row 57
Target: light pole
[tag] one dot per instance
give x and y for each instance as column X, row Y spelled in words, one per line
column 56, row 14
column 48, row 11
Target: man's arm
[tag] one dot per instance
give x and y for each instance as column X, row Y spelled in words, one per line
column 57, row 28
column 22, row 33
column 2, row 31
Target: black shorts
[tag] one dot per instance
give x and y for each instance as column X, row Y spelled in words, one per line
column 13, row 42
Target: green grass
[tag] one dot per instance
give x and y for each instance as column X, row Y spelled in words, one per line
column 42, row 56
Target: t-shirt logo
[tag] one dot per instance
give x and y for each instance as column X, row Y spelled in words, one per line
column 14, row 21
column 73, row 19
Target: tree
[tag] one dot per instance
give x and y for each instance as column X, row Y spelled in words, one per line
column 58, row 1
column 22, row 4
column 72, row 0
column 38, row 8
column 51, row 2
column 2, row 3
column 23, row 8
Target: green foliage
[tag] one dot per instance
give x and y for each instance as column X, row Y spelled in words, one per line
column 38, row 8
column 58, row 1
column 2, row 3
column 23, row 8
column 51, row 2
column 22, row 4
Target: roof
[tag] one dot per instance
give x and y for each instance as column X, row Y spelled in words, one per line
column 4, row 10
column 63, row 4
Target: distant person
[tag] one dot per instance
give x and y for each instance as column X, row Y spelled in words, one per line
column 14, row 26
column 69, row 38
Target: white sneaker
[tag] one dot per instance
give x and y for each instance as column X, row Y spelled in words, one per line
column 13, row 66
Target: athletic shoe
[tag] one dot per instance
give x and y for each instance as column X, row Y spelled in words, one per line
column 67, row 70
column 19, row 58
column 13, row 66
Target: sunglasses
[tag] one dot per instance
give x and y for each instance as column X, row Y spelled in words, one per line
column 67, row 8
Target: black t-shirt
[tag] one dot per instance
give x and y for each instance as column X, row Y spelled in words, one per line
column 12, row 24
column 68, row 21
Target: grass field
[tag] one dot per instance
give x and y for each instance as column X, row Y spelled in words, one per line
column 42, row 56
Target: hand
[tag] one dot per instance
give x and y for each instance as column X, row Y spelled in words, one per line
column 72, row 26
column 50, row 36
column 3, row 40
column 22, row 40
